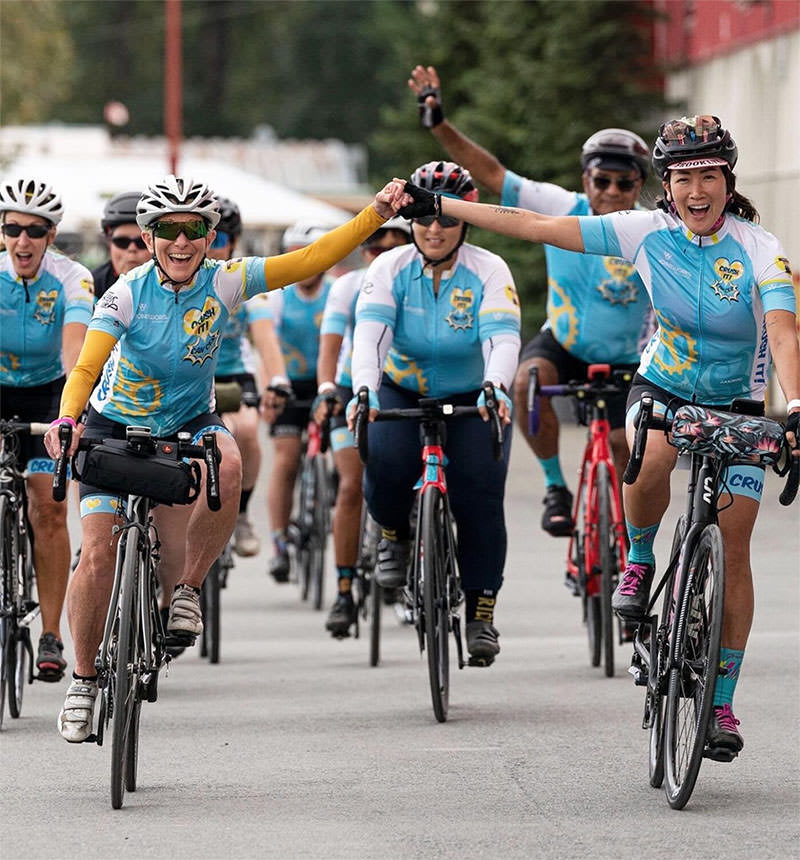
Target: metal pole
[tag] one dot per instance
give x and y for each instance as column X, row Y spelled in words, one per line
column 173, row 81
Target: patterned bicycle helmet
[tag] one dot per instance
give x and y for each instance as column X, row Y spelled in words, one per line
column 120, row 210
column 693, row 142
column 302, row 233
column 173, row 194
column 447, row 178
column 616, row 149
column 230, row 221
column 32, row 196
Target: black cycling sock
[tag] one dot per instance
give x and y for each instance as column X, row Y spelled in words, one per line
column 480, row 603
column 89, row 678
column 244, row 500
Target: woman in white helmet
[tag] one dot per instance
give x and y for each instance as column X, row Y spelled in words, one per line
column 46, row 303
column 155, row 336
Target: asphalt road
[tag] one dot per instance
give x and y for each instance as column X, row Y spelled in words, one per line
column 293, row 746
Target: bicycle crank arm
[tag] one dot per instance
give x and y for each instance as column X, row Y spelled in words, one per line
column 459, row 643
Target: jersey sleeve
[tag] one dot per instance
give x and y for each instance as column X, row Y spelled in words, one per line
column 543, row 197
column 774, row 277
column 376, row 299
column 499, row 312
column 78, row 292
column 618, row 234
column 336, row 317
column 114, row 311
column 258, row 308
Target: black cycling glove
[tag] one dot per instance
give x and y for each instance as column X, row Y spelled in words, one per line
column 793, row 426
column 430, row 117
column 425, row 202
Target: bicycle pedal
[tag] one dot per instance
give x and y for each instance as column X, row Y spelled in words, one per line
column 639, row 675
column 721, row 754
column 49, row 676
column 91, row 739
column 481, row 662
column 572, row 586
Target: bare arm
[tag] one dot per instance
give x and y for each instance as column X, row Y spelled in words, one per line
column 329, row 346
column 782, row 337
column 265, row 340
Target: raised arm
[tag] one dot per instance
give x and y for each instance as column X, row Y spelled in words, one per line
column 484, row 167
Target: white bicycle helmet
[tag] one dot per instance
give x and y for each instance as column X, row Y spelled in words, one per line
column 397, row 222
column 173, row 194
column 302, row 233
column 32, row 196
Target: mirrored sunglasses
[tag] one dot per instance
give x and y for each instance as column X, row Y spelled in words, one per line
column 34, row 231
column 124, row 242
column 601, row 183
column 444, row 220
column 172, row 229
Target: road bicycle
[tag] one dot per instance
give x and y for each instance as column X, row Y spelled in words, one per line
column 17, row 605
column 676, row 651
column 435, row 587
column 143, row 471
column 597, row 552
column 368, row 596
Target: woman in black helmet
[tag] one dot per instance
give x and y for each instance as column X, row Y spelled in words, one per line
column 126, row 247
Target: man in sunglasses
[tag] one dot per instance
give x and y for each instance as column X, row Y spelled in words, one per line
column 126, row 246
column 45, row 306
column 597, row 308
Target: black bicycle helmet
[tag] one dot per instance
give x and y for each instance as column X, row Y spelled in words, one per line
column 693, row 142
column 447, row 178
column 119, row 210
column 616, row 149
column 231, row 220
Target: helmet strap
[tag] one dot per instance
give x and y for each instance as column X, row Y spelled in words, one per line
column 166, row 278
column 435, row 263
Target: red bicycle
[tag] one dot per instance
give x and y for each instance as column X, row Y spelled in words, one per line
column 597, row 552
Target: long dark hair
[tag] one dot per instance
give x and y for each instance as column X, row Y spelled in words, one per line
column 737, row 205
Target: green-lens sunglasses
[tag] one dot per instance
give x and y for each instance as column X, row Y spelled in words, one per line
column 172, row 229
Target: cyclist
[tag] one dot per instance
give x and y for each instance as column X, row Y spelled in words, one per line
column 597, row 308
column 333, row 373
column 722, row 292
column 437, row 319
column 296, row 315
column 236, row 363
column 46, row 303
column 155, row 334
column 126, row 248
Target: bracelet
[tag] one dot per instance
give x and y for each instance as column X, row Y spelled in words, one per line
column 64, row 420
column 325, row 387
column 793, row 404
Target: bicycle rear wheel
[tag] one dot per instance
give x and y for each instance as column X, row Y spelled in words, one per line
column 123, row 723
column 211, row 613
column 590, row 603
column 7, row 567
column 434, row 560
column 693, row 674
column 607, row 557
column 320, row 519
column 19, row 599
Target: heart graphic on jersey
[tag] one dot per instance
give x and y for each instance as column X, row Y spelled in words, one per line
column 727, row 272
column 200, row 322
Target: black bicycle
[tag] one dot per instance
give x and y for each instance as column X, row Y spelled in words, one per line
column 367, row 594
column 144, row 471
column 17, row 605
column 435, row 587
column 676, row 652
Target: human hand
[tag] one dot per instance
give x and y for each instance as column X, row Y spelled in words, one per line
column 792, row 432
column 425, row 84
column 421, row 202
column 52, row 441
column 391, row 198
column 352, row 406
column 325, row 404
column 504, row 405
column 274, row 401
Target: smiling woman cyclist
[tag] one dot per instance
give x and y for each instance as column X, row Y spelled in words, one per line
column 155, row 335
column 722, row 292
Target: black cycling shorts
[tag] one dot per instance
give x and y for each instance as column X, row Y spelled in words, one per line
column 34, row 403
column 293, row 420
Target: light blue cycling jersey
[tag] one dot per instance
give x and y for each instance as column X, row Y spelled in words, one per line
column 235, row 351
column 340, row 317
column 33, row 313
column 297, row 319
column 440, row 345
column 597, row 308
column 710, row 294
column 161, row 371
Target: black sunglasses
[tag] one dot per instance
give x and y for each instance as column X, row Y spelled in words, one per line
column 34, row 231
column 124, row 242
column 172, row 229
column 603, row 182
column 444, row 220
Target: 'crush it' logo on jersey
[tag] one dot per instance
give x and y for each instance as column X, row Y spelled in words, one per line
column 45, row 312
column 620, row 288
column 461, row 317
column 728, row 273
column 199, row 325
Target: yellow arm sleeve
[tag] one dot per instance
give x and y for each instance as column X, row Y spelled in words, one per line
column 96, row 349
column 322, row 254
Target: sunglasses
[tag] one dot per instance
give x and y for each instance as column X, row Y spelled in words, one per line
column 601, row 183
column 221, row 239
column 34, row 231
column 172, row 229
column 124, row 242
column 444, row 220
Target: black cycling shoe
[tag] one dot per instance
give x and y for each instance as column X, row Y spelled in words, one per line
column 724, row 742
column 482, row 643
column 49, row 661
column 279, row 567
column 632, row 595
column 341, row 616
column 557, row 516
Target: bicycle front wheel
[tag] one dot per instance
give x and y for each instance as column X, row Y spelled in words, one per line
column 695, row 667
column 319, row 536
column 433, row 561
column 210, row 600
column 607, row 557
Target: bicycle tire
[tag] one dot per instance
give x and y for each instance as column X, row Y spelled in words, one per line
column 435, row 604
column 21, row 584
column 320, row 512
column 607, row 556
column 212, row 613
column 8, row 566
column 3, row 669
column 124, row 677
column 659, row 651
column 592, row 613
column 132, row 748
column 695, row 668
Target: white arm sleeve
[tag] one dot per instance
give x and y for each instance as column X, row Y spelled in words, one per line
column 371, row 342
column 500, row 359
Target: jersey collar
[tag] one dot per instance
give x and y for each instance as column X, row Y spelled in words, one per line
column 712, row 239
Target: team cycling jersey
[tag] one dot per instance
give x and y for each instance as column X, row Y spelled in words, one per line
column 710, row 295
column 436, row 345
column 235, row 350
column 339, row 318
column 597, row 307
column 33, row 313
column 297, row 319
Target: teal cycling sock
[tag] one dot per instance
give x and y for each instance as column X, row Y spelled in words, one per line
column 279, row 541
column 730, row 662
column 641, row 551
column 552, row 472
column 345, row 578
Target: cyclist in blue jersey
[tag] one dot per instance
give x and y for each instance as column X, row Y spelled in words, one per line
column 295, row 315
column 722, row 291
column 156, row 336
column 597, row 308
column 126, row 248
column 335, row 381
column 437, row 319
column 46, row 303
